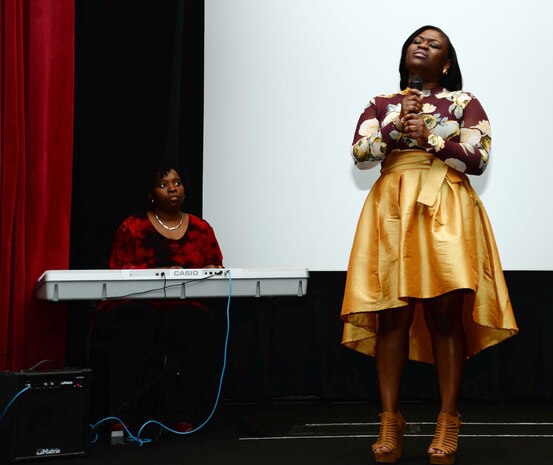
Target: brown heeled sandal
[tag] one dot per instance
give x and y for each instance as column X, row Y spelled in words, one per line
column 392, row 427
column 444, row 445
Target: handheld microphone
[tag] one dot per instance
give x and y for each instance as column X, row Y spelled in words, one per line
column 416, row 82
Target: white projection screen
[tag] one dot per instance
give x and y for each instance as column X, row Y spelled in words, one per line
column 285, row 82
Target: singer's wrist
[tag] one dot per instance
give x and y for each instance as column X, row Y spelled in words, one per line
column 398, row 124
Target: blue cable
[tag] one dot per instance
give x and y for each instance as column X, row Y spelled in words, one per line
column 141, row 442
column 13, row 400
column 118, row 420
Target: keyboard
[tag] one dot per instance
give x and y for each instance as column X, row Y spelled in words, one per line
column 171, row 283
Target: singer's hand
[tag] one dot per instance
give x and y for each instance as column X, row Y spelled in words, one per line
column 411, row 103
column 414, row 128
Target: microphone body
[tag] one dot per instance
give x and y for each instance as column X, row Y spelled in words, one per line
column 416, row 82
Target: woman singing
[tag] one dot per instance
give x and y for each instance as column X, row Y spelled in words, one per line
column 424, row 279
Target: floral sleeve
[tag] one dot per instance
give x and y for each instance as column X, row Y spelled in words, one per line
column 471, row 154
column 370, row 143
column 376, row 134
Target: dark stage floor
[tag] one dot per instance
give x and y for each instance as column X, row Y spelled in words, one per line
column 338, row 434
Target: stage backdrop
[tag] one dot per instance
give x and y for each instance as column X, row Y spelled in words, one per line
column 285, row 82
column 125, row 116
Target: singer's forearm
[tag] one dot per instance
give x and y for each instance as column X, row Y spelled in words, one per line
column 468, row 159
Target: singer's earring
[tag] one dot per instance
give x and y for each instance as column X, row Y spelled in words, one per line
column 444, row 71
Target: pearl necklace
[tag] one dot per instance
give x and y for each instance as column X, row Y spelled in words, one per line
column 170, row 228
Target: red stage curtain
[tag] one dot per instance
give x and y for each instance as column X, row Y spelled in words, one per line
column 36, row 143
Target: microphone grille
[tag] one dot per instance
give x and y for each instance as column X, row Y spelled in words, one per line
column 416, row 82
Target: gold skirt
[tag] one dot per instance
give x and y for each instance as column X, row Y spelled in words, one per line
column 423, row 232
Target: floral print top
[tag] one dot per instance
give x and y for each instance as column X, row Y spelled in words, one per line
column 462, row 135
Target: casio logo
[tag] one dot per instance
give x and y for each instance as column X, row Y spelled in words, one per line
column 186, row 273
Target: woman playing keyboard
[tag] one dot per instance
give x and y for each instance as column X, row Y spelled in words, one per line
column 160, row 356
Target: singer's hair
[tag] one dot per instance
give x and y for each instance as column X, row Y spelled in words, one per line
column 453, row 80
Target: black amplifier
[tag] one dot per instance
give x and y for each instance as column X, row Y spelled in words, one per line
column 44, row 414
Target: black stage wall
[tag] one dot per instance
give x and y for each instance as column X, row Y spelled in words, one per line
column 139, row 91
column 138, row 99
column 289, row 348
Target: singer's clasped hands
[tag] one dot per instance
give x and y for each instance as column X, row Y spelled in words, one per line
column 409, row 120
